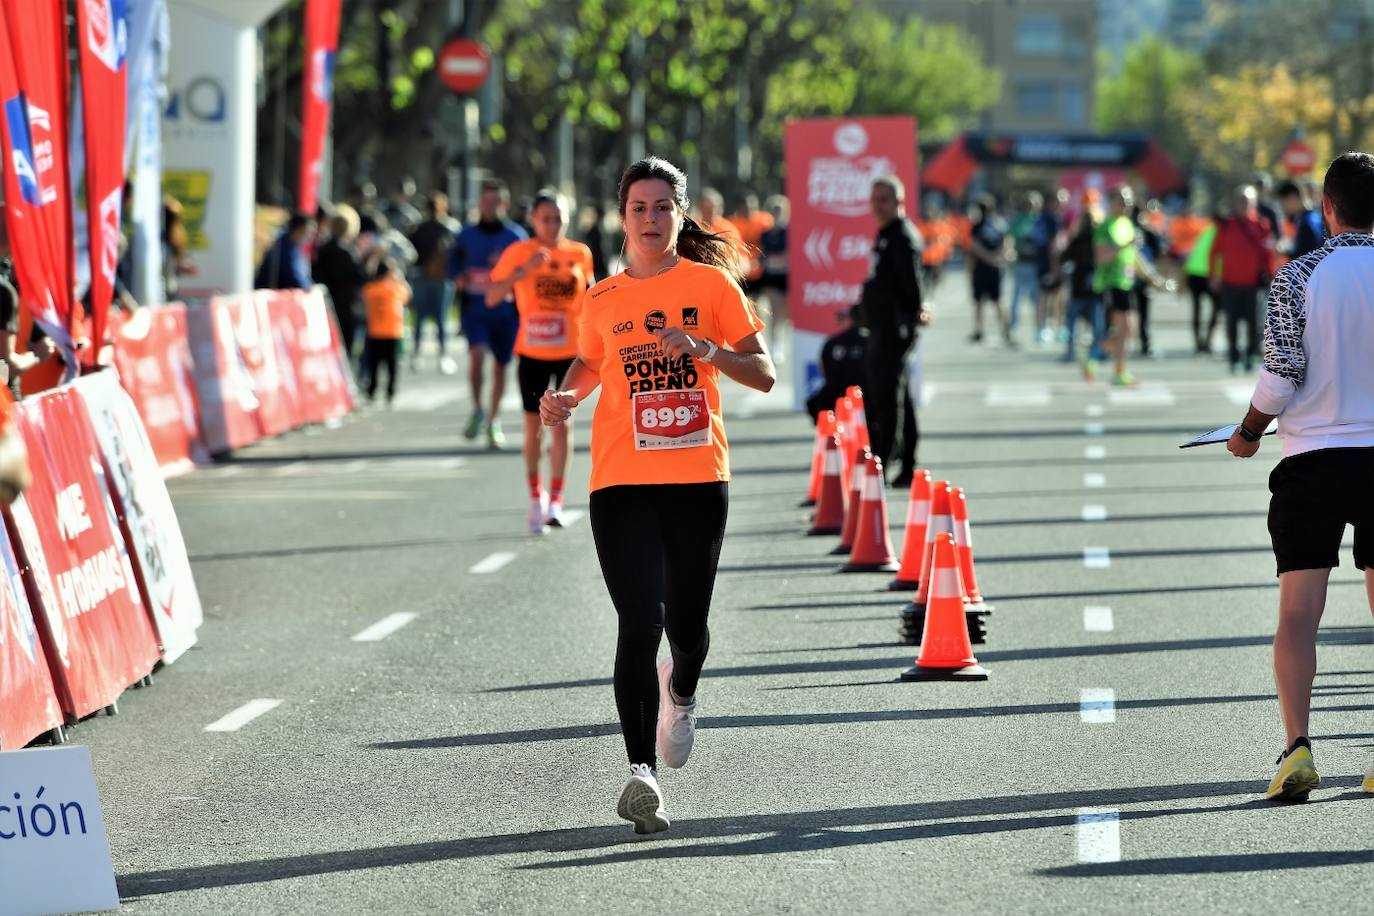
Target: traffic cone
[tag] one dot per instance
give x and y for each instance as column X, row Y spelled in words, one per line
column 844, row 416
column 963, row 539
column 858, row 417
column 872, row 545
column 830, row 503
column 914, row 538
column 853, row 504
column 946, row 654
column 825, row 428
column 941, row 521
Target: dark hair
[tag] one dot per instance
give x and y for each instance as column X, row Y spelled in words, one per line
column 297, row 222
column 693, row 242
column 385, row 268
column 547, row 196
column 1287, row 187
column 1349, row 185
column 493, row 184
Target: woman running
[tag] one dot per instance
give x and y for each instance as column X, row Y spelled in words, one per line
column 656, row 338
column 549, row 275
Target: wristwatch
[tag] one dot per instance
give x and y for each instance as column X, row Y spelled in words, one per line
column 711, row 350
column 1247, row 435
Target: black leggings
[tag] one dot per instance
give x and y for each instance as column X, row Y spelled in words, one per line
column 378, row 352
column 658, row 545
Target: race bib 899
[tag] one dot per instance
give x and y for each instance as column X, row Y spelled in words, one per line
column 671, row 419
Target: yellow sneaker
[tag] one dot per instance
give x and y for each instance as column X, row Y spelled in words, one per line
column 1296, row 777
column 1368, row 784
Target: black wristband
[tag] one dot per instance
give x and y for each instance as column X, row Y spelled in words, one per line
column 1247, row 435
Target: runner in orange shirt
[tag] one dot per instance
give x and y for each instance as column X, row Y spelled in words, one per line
column 656, row 339
column 548, row 274
column 385, row 299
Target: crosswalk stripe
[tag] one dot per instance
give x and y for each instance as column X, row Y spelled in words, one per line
column 1098, row 619
column 1144, row 396
column 385, row 627
column 1099, row 835
column 240, row 717
column 1096, row 558
column 1095, row 481
column 1095, row 452
column 1094, row 513
column 1097, row 705
column 1017, row 395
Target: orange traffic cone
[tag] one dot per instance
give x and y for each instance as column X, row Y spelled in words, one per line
column 914, row 538
column 872, row 545
column 941, row 521
column 854, row 503
column 830, row 503
column 857, row 416
column 844, row 417
column 946, row 654
column 963, row 539
column 825, row 428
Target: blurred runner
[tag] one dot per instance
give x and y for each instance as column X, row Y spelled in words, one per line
column 987, row 243
column 1149, row 249
column 656, row 339
column 1242, row 263
column 1114, row 242
column 1079, row 264
column 1049, row 241
column 385, row 299
column 773, row 285
column 490, row 329
column 549, row 275
column 1025, row 272
column 1308, row 229
column 433, row 293
column 1198, row 268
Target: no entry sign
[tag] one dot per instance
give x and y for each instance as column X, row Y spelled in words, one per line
column 1298, row 158
column 464, row 65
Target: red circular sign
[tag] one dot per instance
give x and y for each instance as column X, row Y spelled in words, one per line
column 1298, row 158
column 464, row 65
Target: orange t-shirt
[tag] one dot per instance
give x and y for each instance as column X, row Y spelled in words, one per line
column 659, row 419
column 386, row 300
column 549, row 299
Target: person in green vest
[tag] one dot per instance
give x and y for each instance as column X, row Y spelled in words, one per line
column 1199, row 284
column 1115, row 246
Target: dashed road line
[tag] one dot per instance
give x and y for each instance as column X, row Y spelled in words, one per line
column 1097, row 705
column 1144, row 396
column 1018, row 396
column 491, row 564
column 1094, row 429
column 572, row 517
column 1095, row 410
column 243, row 715
column 1094, row 513
column 1095, row 452
column 1094, row 481
column 1098, row 619
column 385, row 627
column 1099, row 835
column 1096, row 558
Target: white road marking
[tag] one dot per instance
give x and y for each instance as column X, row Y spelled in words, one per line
column 1095, row 481
column 1094, row 513
column 1099, row 835
column 423, row 400
column 928, row 390
column 1095, row 410
column 385, row 627
column 1096, row 558
column 1097, row 619
column 1097, row 705
column 1240, row 394
column 290, row 470
column 1094, row 429
column 572, row 517
column 492, row 563
column 1018, row 395
column 243, row 715
column 1144, row 396
column 1095, row 452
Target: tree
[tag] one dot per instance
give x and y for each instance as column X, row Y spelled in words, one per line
column 1147, row 94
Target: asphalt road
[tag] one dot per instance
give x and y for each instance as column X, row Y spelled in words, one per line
column 469, row 761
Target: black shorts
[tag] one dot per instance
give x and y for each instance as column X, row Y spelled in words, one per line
column 1316, row 494
column 987, row 285
column 1118, row 300
column 536, row 376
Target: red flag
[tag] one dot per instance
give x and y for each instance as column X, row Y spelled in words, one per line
column 103, row 30
column 321, row 45
column 34, row 93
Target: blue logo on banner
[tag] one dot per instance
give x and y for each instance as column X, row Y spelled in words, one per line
column 17, row 123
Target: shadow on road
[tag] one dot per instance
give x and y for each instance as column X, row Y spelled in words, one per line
column 1212, row 865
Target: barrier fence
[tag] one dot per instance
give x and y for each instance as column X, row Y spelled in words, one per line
column 98, row 587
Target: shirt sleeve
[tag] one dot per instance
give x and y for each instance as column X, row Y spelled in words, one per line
column 589, row 342
column 908, row 264
column 1285, row 363
column 507, row 264
column 735, row 317
column 589, row 266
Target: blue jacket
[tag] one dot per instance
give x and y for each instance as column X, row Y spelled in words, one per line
column 1310, row 232
column 475, row 252
column 284, row 266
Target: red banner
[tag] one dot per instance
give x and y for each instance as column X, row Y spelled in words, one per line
column 321, row 46
column 28, row 705
column 224, row 388
column 97, row 633
column 831, row 165
column 153, row 358
column 312, row 368
column 103, row 37
column 33, row 91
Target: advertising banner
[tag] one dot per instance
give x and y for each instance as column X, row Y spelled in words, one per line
column 102, row 28
column 28, row 705
column 224, row 388
column 153, row 358
column 144, row 510
column 33, row 93
column 313, row 372
column 97, row 634
column 321, row 46
column 831, row 165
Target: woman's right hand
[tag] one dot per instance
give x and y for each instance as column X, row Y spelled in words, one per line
column 555, row 407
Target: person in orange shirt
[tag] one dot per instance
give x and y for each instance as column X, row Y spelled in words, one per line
column 656, row 339
column 384, row 299
column 549, row 275
column 750, row 224
column 712, row 219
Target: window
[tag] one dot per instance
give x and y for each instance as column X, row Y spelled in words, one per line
column 1037, row 98
column 1039, row 35
column 1075, row 106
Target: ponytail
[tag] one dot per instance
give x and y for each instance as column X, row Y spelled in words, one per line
column 696, row 244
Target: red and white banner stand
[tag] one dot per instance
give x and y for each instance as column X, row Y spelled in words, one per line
column 831, row 165
column 153, row 359
column 146, row 516
column 314, row 357
column 28, row 702
column 96, row 632
column 228, row 399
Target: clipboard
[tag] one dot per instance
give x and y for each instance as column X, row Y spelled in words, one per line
column 1224, row 434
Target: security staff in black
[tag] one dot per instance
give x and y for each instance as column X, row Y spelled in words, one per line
column 891, row 311
column 844, row 362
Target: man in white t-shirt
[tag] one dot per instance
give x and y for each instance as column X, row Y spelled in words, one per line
column 1318, row 380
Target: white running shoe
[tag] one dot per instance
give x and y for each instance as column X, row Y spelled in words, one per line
column 539, row 510
column 554, row 517
column 641, row 801
column 677, row 725
column 447, row 366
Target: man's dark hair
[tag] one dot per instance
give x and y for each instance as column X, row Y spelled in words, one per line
column 1287, row 188
column 1349, row 185
column 494, row 184
column 297, row 222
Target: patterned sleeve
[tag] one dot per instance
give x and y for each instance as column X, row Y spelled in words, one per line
column 1284, row 324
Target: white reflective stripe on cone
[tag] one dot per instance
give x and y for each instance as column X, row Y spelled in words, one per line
column 917, row 511
column 858, row 418
column 873, row 488
column 939, row 524
column 963, row 534
column 946, row 584
column 832, row 463
column 856, row 476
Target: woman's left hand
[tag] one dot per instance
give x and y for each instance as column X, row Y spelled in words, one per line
column 679, row 343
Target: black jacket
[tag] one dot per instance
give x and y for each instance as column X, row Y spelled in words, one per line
column 892, row 293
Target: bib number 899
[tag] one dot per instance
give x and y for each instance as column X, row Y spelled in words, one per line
column 651, row 418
